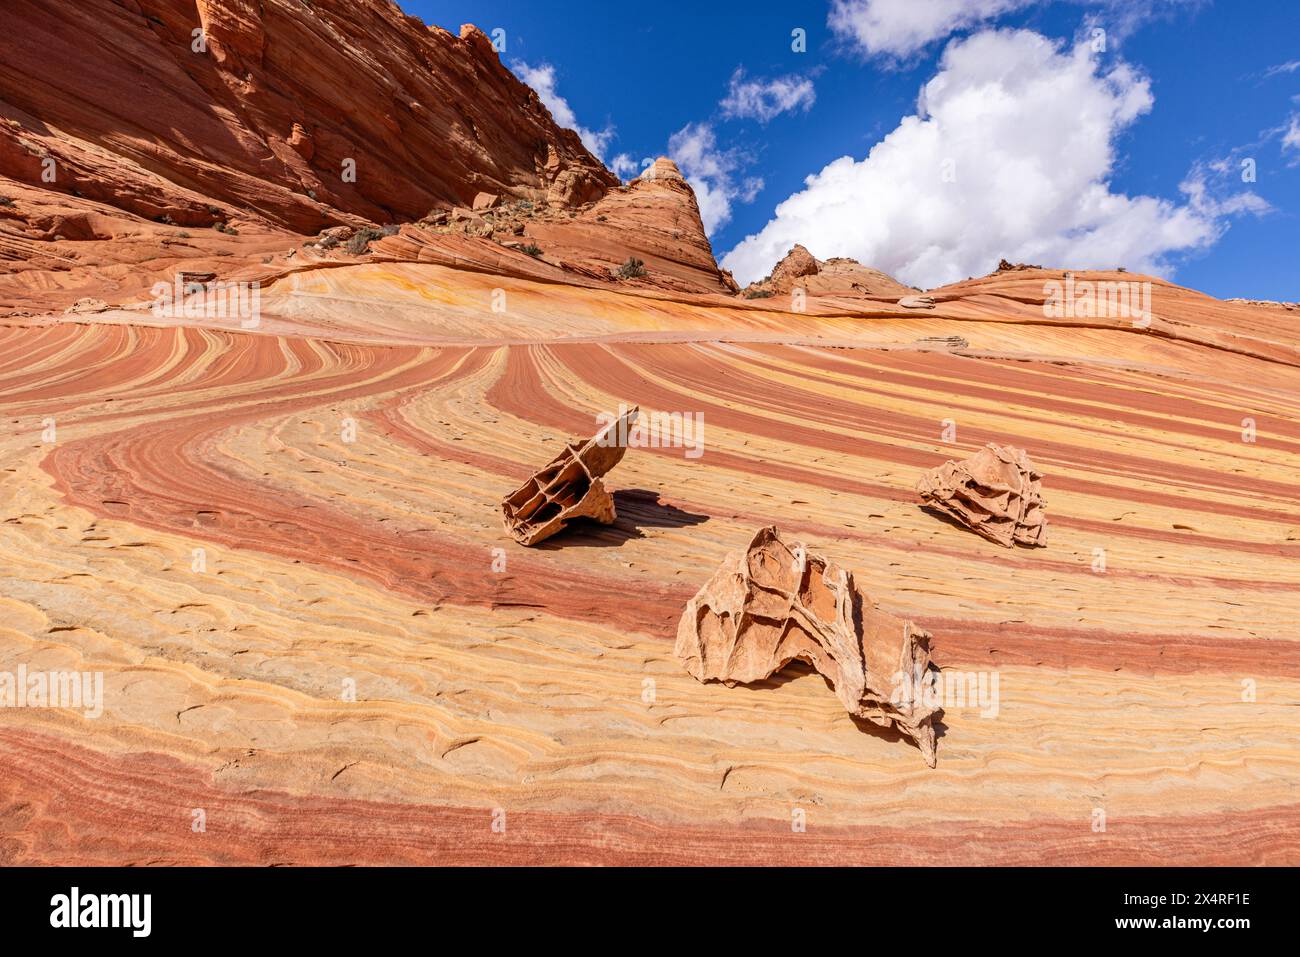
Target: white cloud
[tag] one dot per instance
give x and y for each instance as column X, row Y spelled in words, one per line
column 542, row 79
column 1289, row 67
column 624, row 166
column 1207, row 185
column 711, row 172
column 902, row 27
column 1009, row 154
column 764, row 100
column 1291, row 135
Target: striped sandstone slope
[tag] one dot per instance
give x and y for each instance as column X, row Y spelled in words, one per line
column 1160, row 691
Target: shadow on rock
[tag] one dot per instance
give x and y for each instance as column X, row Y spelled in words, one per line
column 638, row 508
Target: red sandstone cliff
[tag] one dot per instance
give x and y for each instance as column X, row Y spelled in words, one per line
column 264, row 119
column 127, row 125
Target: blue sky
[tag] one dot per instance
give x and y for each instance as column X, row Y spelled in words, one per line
column 1040, row 137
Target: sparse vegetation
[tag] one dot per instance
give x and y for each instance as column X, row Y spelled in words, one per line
column 359, row 244
column 532, row 249
column 6, row 201
column 632, row 269
column 182, row 235
column 759, row 294
column 327, row 242
column 225, row 228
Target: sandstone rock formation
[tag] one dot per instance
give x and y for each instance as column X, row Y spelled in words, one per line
column 775, row 603
column 838, row 277
column 798, row 263
column 226, row 158
column 1266, row 303
column 569, row 486
column 183, row 437
column 997, row 493
column 270, row 117
column 655, row 218
column 917, row 302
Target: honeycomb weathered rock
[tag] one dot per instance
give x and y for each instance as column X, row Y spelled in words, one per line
column 774, row 603
column 997, row 493
column 569, row 486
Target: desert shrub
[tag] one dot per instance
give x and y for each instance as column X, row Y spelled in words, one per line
column 327, row 242
column 532, row 249
column 632, row 269
column 359, row 244
column 759, row 294
column 6, row 201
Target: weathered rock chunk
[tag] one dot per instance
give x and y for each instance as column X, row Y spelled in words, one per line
column 997, row 493
column 774, row 603
column 917, row 302
column 569, row 486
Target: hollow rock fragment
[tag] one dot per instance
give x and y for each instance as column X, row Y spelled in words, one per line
column 997, row 493
column 569, row 486
column 774, row 603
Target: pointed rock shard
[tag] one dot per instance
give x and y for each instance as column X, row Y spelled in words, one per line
column 997, row 493
column 774, row 603
column 569, row 486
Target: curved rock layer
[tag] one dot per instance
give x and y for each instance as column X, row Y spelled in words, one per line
column 282, row 550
